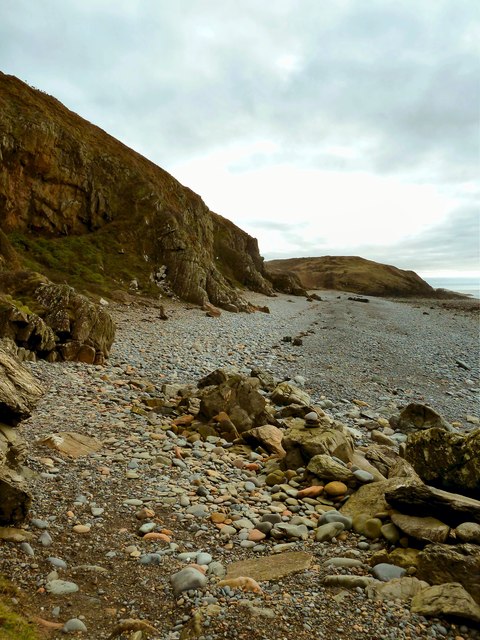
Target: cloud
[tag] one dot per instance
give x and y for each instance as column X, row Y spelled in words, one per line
column 385, row 88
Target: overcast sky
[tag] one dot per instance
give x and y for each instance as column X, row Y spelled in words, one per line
column 321, row 127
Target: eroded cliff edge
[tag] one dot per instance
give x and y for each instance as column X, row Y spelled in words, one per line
column 79, row 205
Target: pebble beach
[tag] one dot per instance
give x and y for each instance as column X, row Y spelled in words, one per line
column 109, row 531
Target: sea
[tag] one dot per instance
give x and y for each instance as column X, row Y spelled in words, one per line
column 467, row 286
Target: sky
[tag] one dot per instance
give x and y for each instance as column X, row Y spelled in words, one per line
column 321, row 127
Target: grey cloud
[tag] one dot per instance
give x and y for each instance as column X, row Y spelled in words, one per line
column 454, row 245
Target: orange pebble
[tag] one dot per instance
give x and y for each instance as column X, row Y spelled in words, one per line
column 70, row 514
column 167, row 532
column 153, row 535
column 310, row 492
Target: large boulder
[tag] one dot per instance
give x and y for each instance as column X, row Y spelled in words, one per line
column 369, row 499
column 447, row 460
column 450, row 600
column 287, row 393
column 19, row 391
column 239, row 398
column 426, row 529
column 440, row 563
column 53, row 321
column 327, row 468
column 268, row 437
column 302, row 444
column 416, row 416
column 18, row 394
column 422, row 500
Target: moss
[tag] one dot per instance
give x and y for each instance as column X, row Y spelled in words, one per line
column 13, row 626
column 92, row 263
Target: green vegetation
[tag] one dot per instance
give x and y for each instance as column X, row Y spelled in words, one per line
column 13, row 626
column 92, row 263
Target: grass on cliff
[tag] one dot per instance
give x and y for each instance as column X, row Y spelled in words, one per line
column 93, row 263
column 13, row 626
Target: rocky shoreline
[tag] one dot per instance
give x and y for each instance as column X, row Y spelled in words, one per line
column 110, row 533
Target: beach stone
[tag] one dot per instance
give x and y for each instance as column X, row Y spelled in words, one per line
column 326, row 468
column 271, row 567
column 186, row 579
column 335, row 516
column 358, row 522
column 363, row 476
column 390, row 532
column 198, row 510
column 447, row 460
column 268, row 437
column 442, row 563
column 386, row 572
column 61, row 587
column 397, row 589
column 426, row 529
column 203, row 558
column 417, row 416
column 286, row 393
column 74, row 625
column 449, row 599
column 327, row 531
column 373, row 528
column 334, row 488
column 468, row 532
column 404, row 557
column 284, row 530
column 370, row 498
column 301, row 444
column 347, row 581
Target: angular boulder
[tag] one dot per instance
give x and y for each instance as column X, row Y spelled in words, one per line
column 447, row 460
column 267, row 436
column 416, row 416
column 441, row 563
column 19, row 391
column 302, row 444
column 370, row 498
column 238, row 397
column 327, row 468
column 449, row 600
column 287, row 393
column 425, row 529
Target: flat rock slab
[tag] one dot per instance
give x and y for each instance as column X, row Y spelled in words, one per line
column 72, row 444
column 427, row 529
column 271, row 567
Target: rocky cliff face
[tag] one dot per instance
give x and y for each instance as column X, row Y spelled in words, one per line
column 75, row 201
column 354, row 274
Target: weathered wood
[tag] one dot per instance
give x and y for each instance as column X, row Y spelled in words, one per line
column 422, row 500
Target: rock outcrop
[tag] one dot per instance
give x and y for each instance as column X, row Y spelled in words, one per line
column 79, row 205
column 63, row 325
column 354, row 274
column 18, row 394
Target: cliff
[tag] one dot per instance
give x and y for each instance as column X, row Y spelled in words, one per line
column 354, row 274
column 80, row 206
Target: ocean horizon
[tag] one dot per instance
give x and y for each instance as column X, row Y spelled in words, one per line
column 466, row 286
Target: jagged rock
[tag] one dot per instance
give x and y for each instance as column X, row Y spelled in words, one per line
column 302, row 444
column 370, row 498
column 64, row 322
column 268, row 436
column 326, row 468
column 359, row 460
column 449, row 599
column 422, row 500
column 448, row 460
column 287, row 393
column 424, row 529
column 417, row 416
column 18, row 390
column 440, row 563
column 267, row 380
column 397, row 589
column 18, row 393
column 239, row 398
column 286, row 282
column 381, row 457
